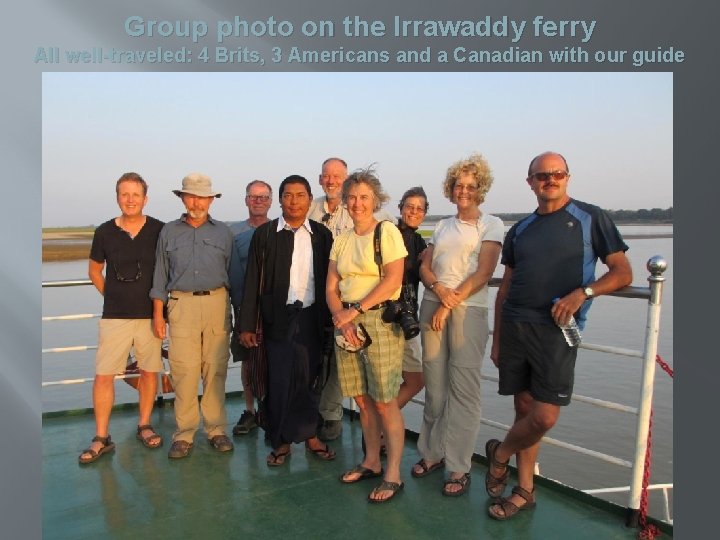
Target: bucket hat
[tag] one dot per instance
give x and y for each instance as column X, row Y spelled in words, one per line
column 197, row 184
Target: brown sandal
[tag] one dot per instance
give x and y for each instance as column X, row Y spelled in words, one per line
column 509, row 508
column 426, row 469
column 107, row 446
column 495, row 485
column 151, row 441
column 463, row 482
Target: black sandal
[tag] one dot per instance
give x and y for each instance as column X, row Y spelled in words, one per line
column 495, row 485
column 326, row 453
column 277, row 459
column 107, row 446
column 363, row 474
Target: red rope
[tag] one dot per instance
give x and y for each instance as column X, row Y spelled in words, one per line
column 664, row 365
column 649, row 531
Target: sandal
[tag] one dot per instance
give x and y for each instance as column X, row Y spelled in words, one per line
column 326, row 453
column 151, row 441
column 276, row 459
column 425, row 468
column 509, row 508
column 463, row 482
column 394, row 487
column 364, row 473
column 107, row 446
column 495, row 485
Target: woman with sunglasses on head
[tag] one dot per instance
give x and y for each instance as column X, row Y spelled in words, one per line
column 413, row 208
column 359, row 287
column 459, row 261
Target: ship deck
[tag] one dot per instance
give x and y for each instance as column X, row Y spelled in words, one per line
column 135, row 492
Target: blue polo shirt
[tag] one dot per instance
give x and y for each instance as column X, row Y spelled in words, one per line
column 191, row 258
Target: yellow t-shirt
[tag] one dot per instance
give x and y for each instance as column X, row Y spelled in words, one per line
column 355, row 260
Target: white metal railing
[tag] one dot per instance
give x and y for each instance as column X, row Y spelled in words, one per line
column 665, row 488
column 656, row 266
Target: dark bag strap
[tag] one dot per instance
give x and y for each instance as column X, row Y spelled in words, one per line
column 376, row 246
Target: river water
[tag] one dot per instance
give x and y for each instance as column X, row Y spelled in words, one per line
column 612, row 321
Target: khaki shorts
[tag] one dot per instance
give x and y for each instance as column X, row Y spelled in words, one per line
column 381, row 376
column 412, row 355
column 116, row 338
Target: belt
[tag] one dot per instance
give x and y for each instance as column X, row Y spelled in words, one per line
column 218, row 290
column 347, row 305
column 297, row 305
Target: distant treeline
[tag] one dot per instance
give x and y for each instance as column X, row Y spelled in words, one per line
column 654, row 215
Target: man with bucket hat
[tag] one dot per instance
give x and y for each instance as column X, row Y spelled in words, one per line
column 191, row 284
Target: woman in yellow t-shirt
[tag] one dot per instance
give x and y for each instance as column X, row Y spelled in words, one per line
column 368, row 349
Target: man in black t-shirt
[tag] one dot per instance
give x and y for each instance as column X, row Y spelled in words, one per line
column 549, row 278
column 124, row 248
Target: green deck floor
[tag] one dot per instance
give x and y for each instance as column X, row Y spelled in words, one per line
column 139, row 493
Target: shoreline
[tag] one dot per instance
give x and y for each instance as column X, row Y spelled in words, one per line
column 58, row 249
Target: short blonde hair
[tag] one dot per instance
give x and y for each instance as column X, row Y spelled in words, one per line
column 367, row 177
column 477, row 167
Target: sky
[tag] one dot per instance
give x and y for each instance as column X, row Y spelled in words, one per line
column 615, row 130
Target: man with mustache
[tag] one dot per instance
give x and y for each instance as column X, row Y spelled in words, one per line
column 549, row 278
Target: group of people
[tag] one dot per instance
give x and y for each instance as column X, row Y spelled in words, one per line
column 330, row 290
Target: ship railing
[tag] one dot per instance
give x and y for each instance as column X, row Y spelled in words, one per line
column 665, row 488
column 653, row 294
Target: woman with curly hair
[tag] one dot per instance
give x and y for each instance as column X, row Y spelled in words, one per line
column 459, row 261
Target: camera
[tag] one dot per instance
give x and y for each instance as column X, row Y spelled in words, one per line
column 402, row 311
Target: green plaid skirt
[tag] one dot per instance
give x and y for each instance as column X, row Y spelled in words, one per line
column 380, row 376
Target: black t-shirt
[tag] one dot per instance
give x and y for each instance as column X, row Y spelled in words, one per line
column 129, row 264
column 415, row 245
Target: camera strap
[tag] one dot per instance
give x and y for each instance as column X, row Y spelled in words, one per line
column 376, row 246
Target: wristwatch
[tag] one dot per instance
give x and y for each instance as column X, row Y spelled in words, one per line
column 589, row 293
column 357, row 307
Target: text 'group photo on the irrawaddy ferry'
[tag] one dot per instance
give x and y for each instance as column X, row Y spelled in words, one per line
column 407, row 304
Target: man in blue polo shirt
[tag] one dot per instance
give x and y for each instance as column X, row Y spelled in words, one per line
column 550, row 254
column 191, row 282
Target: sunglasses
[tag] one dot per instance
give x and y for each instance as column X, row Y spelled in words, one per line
column 545, row 176
column 123, row 279
column 326, row 217
column 362, row 335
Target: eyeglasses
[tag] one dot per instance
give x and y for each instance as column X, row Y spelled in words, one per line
column 545, row 176
column 259, row 198
column 123, row 279
column 472, row 188
column 362, row 335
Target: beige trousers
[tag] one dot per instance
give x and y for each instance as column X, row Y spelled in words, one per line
column 199, row 350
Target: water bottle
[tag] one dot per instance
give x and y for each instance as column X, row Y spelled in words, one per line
column 570, row 331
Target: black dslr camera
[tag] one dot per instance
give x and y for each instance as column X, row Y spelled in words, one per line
column 402, row 311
